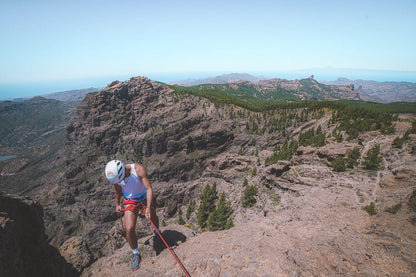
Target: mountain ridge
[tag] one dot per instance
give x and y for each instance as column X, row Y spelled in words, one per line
column 384, row 92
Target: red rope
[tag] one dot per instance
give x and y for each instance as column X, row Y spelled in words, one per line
column 171, row 251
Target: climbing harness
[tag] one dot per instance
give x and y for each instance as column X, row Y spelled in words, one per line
column 132, row 205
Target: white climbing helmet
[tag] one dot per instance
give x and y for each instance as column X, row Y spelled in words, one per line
column 114, row 171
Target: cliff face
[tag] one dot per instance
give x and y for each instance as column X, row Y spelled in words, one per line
column 307, row 218
column 24, row 249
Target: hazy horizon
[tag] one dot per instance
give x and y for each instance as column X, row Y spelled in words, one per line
column 9, row 91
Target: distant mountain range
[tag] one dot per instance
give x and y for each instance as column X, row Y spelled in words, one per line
column 283, row 90
column 221, row 79
column 382, row 91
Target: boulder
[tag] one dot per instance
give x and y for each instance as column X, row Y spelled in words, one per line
column 278, row 169
column 75, row 251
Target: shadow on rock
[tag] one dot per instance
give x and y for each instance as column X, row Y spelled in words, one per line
column 24, row 250
column 171, row 237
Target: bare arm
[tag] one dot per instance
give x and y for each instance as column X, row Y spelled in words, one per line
column 141, row 172
column 117, row 194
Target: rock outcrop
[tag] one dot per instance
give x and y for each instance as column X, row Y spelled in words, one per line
column 24, row 249
column 75, row 251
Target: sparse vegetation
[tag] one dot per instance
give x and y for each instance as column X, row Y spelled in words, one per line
column 249, row 196
column 191, row 209
column 274, row 197
column 338, row 136
column 180, row 218
column 312, row 137
column 371, row 209
column 372, row 159
column 399, row 141
column 338, row 164
column 220, row 218
column 352, row 157
column 395, row 208
column 245, row 182
column 285, row 153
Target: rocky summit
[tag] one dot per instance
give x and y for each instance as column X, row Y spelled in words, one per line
column 290, row 196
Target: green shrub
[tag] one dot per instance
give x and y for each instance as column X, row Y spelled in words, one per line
column 371, row 209
column 245, row 182
column 338, row 136
column 394, row 209
column 338, row 164
column 397, row 142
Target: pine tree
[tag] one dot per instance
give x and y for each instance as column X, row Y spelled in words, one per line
column 180, row 218
column 319, row 138
column 353, row 156
column 372, row 159
column 218, row 219
column 249, row 196
column 208, row 197
column 191, row 209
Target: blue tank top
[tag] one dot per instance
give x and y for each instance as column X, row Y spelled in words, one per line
column 133, row 187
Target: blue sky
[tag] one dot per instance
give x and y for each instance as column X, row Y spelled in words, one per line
column 58, row 42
